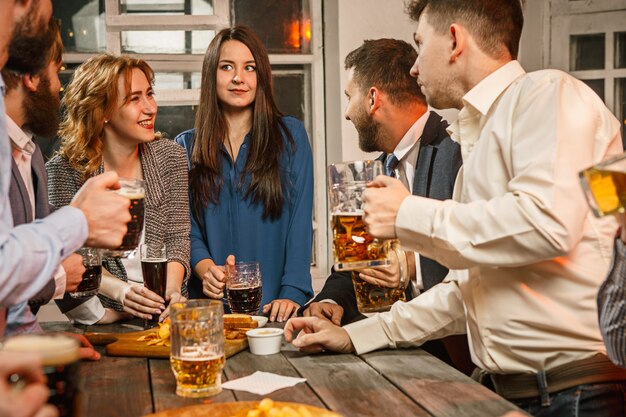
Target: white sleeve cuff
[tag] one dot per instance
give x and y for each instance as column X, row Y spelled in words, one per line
column 417, row 282
column 89, row 312
column 60, row 280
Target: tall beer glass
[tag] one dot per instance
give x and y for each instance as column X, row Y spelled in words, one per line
column 604, row 185
column 353, row 246
column 60, row 355
column 135, row 190
column 197, row 350
column 154, row 271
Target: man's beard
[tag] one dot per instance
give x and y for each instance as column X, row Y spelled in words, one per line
column 28, row 50
column 41, row 108
column 369, row 132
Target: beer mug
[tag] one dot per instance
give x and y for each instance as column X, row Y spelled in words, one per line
column 92, row 276
column 154, row 270
column 135, row 190
column 353, row 246
column 372, row 298
column 604, row 185
column 243, row 287
column 197, row 347
column 60, row 356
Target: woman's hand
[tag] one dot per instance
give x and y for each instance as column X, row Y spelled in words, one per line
column 214, row 279
column 172, row 298
column 281, row 309
column 141, row 302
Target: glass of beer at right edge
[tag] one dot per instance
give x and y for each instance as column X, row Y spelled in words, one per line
column 135, row 190
column 197, row 352
column 605, row 186
column 353, row 246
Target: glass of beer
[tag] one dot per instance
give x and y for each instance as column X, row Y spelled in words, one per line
column 605, row 186
column 135, row 190
column 372, row 298
column 154, row 270
column 197, row 350
column 243, row 287
column 353, row 246
column 60, row 355
column 92, row 276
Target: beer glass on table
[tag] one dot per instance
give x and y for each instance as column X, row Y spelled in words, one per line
column 60, row 355
column 135, row 190
column 243, row 287
column 604, row 185
column 197, row 347
column 154, row 270
column 353, row 247
column 92, row 261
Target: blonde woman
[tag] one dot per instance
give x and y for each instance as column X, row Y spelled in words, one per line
column 110, row 113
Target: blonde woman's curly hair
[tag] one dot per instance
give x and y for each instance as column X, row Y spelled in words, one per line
column 90, row 98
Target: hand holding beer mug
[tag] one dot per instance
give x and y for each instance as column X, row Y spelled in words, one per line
column 92, row 276
column 604, row 185
column 197, row 350
column 243, row 287
column 134, row 190
column 154, row 270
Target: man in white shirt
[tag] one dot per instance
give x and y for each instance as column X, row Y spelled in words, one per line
column 519, row 222
column 32, row 107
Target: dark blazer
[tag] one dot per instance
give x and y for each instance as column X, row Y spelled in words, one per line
column 438, row 162
column 23, row 213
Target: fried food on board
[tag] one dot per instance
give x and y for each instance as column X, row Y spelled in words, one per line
column 267, row 408
column 236, row 329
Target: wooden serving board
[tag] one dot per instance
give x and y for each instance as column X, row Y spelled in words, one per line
column 126, row 344
column 238, row 409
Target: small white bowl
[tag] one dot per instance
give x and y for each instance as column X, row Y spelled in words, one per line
column 265, row 341
column 261, row 320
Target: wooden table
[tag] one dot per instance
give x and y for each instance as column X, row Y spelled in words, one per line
column 389, row 383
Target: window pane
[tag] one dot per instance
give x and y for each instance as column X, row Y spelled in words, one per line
column 620, row 105
column 176, row 81
column 587, row 52
column 187, row 7
column 597, row 86
column 620, row 50
column 172, row 120
column 170, row 42
column 284, row 26
column 289, row 93
column 82, row 24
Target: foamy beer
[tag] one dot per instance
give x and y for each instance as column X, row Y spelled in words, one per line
column 60, row 355
column 605, row 186
column 135, row 190
column 197, row 349
column 371, row 298
column 353, row 246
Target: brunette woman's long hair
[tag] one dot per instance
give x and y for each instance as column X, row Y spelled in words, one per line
column 89, row 99
column 266, row 136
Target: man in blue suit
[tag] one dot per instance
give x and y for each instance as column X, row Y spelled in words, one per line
column 390, row 114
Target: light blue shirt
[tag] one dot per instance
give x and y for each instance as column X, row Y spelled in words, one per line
column 31, row 253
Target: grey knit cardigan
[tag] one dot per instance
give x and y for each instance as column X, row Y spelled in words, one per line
column 164, row 165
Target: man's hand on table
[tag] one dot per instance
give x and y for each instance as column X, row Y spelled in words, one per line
column 381, row 202
column 317, row 335
column 324, row 311
column 29, row 401
column 86, row 350
column 281, row 309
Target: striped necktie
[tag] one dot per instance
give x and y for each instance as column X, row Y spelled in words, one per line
column 391, row 162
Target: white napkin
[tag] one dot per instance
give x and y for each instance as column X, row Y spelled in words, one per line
column 262, row 383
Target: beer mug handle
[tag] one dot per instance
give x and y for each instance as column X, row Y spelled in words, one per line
column 404, row 278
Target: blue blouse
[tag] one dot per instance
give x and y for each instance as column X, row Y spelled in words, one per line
column 236, row 226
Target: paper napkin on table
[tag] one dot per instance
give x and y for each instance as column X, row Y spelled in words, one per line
column 262, row 383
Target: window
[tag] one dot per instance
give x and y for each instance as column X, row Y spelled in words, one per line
column 588, row 39
column 172, row 36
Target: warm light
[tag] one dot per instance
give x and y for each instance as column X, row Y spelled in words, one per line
column 299, row 32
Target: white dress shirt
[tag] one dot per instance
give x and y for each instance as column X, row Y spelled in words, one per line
column 519, row 223
column 23, row 149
